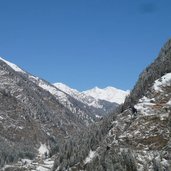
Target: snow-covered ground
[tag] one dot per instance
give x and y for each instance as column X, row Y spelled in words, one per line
column 43, row 150
column 90, row 156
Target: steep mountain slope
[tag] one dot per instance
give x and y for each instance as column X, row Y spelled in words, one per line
column 30, row 115
column 137, row 136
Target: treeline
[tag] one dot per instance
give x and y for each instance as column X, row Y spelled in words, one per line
column 74, row 150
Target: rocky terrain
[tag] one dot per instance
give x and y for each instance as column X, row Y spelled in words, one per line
column 137, row 136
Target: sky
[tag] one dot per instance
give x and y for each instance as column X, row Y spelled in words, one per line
column 84, row 43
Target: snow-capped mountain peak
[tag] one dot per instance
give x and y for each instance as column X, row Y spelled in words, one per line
column 88, row 100
column 110, row 94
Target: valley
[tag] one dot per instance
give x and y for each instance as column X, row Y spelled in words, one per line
column 52, row 127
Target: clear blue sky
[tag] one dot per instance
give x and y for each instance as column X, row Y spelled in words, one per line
column 84, row 43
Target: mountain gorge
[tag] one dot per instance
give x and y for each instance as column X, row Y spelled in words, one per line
column 47, row 127
column 36, row 116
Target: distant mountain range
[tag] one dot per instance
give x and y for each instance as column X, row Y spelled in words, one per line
column 109, row 94
column 96, row 97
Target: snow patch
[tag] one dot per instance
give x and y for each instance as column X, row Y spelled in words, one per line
column 163, row 81
column 100, row 117
column 169, row 102
column 43, row 150
column 143, row 105
column 20, row 127
column 91, row 155
column 40, row 168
